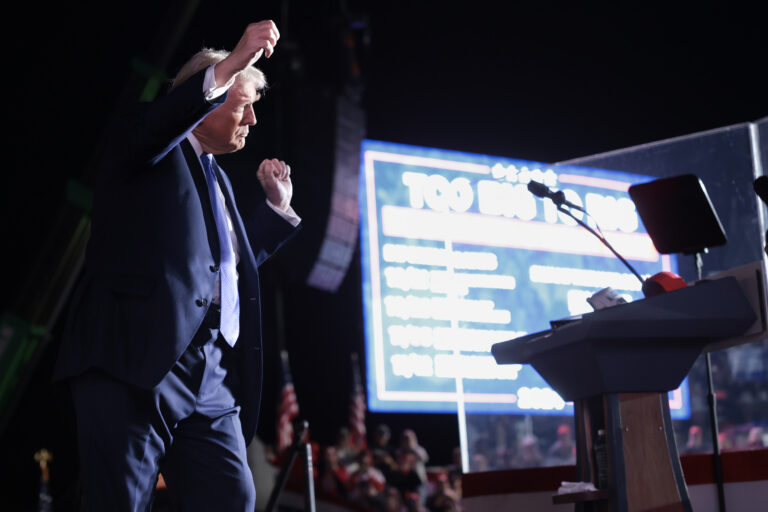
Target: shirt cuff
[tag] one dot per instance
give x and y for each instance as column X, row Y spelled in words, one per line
column 210, row 88
column 290, row 215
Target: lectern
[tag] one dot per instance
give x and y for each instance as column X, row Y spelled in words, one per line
column 617, row 365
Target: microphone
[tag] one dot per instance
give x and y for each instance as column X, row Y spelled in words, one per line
column 543, row 191
column 761, row 188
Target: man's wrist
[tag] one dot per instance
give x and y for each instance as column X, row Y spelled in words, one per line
column 223, row 73
column 211, row 87
column 288, row 214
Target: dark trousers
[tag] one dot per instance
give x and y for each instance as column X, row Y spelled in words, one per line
column 187, row 427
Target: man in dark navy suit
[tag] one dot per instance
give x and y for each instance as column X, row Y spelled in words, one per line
column 163, row 343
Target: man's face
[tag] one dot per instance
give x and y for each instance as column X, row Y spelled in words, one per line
column 224, row 130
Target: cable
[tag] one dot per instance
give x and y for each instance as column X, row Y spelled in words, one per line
column 603, row 240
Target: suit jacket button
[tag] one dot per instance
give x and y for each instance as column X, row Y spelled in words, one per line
column 213, row 268
column 201, row 302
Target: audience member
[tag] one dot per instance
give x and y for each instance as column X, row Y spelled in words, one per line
column 478, row 463
column 454, row 471
column 345, row 450
column 412, row 502
column 444, row 498
column 563, row 450
column 695, row 442
column 382, row 451
column 755, row 438
column 407, row 478
column 334, row 478
column 367, row 484
column 393, row 501
column 528, row 455
column 724, row 441
column 482, row 446
column 409, row 443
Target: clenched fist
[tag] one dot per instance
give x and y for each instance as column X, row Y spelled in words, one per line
column 258, row 39
column 275, row 178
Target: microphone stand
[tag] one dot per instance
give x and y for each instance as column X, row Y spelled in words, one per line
column 603, row 240
column 298, row 444
column 712, row 403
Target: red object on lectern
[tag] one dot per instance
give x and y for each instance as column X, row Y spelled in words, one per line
column 662, row 282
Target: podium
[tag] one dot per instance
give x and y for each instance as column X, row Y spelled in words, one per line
column 617, row 365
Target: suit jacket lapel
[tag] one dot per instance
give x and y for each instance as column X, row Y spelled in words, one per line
column 198, row 176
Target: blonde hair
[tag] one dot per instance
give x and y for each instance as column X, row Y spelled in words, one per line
column 208, row 56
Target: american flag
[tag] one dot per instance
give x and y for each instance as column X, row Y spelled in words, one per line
column 357, row 408
column 288, row 408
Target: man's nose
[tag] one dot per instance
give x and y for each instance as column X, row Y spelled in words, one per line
column 250, row 117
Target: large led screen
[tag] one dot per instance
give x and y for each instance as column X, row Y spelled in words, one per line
column 457, row 255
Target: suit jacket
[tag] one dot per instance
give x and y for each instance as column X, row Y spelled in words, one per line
column 153, row 255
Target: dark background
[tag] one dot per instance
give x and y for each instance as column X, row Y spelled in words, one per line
column 541, row 81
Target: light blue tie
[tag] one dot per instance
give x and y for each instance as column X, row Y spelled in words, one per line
column 230, row 303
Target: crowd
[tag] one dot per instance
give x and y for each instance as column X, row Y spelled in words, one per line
column 394, row 477
column 387, row 476
column 736, row 437
column 516, row 442
column 739, row 377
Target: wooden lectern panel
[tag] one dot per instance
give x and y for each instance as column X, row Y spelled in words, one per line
column 643, row 471
column 650, row 479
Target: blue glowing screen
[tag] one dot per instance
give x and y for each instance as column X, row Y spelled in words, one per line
column 457, row 255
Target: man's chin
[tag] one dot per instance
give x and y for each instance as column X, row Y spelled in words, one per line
column 235, row 146
column 239, row 144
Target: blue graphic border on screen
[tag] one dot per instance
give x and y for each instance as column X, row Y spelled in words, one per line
column 681, row 408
